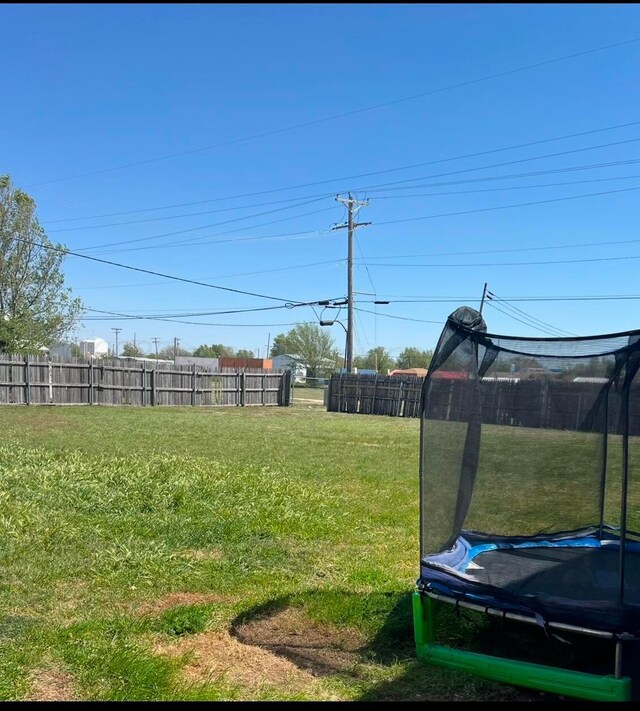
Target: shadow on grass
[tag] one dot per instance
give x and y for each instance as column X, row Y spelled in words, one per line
column 339, row 634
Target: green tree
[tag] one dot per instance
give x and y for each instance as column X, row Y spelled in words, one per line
column 279, row 346
column 215, row 350
column 35, row 307
column 376, row 359
column 167, row 353
column 312, row 345
column 245, row 353
column 414, row 358
column 130, row 350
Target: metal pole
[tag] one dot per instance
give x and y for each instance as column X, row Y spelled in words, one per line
column 117, row 331
column 484, row 294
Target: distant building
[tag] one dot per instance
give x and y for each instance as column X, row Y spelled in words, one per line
column 61, row 350
column 206, row 363
column 255, row 363
column 420, row 372
column 289, row 362
column 94, row 348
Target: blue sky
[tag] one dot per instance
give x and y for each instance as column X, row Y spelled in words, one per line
column 495, row 144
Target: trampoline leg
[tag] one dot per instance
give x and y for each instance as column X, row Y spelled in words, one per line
column 533, row 676
column 618, row 662
column 423, row 620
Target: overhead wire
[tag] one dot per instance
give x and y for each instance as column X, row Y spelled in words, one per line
column 512, row 264
column 515, row 318
column 460, row 299
column 308, row 199
column 507, row 207
column 66, row 252
column 491, row 296
column 506, row 188
column 345, row 114
column 201, row 227
column 475, row 154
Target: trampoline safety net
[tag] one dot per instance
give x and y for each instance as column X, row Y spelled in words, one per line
column 529, row 465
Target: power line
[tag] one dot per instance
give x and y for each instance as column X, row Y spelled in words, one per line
column 457, row 172
column 206, row 212
column 532, row 319
column 475, row 154
column 461, row 299
column 206, row 239
column 509, row 176
column 66, row 252
column 526, row 323
column 511, row 264
column 389, row 186
column 506, row 207
column 362, row 258
column 345, row 114
column 191, row 314
column 202, row 227
column 221, row 276
column 401, row 318
column 506, row 188
column 118, row 317
column 510, row 249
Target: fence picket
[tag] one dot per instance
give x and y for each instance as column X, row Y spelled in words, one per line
column 42, row 380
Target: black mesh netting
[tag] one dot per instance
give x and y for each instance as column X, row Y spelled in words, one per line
column 529, row 436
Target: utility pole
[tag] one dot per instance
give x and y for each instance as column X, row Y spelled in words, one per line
column 117, row 331
column 484, row 294
column 350, row 203
column 155, row 340
column 268, row 345
column 175, row 347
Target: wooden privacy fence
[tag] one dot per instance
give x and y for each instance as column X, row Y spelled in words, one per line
column 397, row 396
column 527, row 403
column 38, row 380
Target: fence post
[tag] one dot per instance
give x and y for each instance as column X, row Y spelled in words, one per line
column 143, row 373
column 193, row 385
column 153, row 385
column 242, row 388
column 91, row 393
column 399, row 401
column 27, row 380
column 374, row 404
column 50, row 371
column 264, row 386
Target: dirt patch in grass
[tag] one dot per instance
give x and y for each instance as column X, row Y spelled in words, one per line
column 317, row 648
column 285, row 650
column 217, row 655
column 51, row 683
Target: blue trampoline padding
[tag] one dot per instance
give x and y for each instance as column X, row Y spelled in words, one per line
column 467, row 548
column 570, row 577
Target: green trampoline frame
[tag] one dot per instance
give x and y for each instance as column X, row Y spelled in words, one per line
column 564, row 682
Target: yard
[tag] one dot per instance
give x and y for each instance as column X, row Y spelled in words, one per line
column 213, row 554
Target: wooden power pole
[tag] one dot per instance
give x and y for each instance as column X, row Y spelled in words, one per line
column 351, row 226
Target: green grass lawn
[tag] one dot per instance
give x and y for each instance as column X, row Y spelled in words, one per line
column 304, row 394
column 213, row 554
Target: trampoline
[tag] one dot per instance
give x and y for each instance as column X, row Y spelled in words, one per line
column 529, row 495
